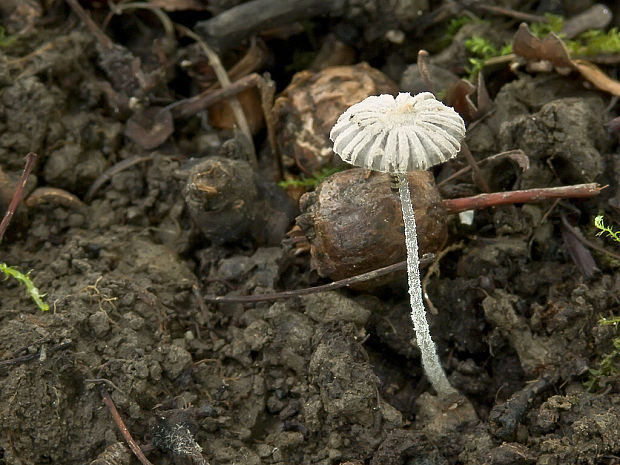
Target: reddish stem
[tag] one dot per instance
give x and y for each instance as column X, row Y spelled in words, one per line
column 17, row 195
column 523, row 196
column 123, row 429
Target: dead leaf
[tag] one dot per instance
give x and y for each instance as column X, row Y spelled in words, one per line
column 579, row 253
column 484, row 99
column 150, row 128
column 551, row 48
column 597, row 77
column 520, row 158
column 221, row 114
column 458, row 96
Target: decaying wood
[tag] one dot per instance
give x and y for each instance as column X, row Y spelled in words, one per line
column 227, row 29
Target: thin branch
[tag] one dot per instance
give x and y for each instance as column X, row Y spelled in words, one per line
column 111, row 172
column 425, row 260
column 117, row 9
column 123, row 429
column 480, row 181
column 25, row 358
column 468, row 168
column 501, row 11
column 222, row 77
column 103, row 39
column 17, row 195
column 205, row 99
column 522, row 196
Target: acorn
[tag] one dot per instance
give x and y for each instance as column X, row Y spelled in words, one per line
column 354, row 222
column 309, row 107
column 230, row 202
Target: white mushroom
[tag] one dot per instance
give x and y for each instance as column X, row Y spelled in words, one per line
column 398, row 135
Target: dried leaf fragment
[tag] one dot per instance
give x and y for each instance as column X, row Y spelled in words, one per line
column 552, row 49
column 458, row 96
column 597, row 77
column 150, row 128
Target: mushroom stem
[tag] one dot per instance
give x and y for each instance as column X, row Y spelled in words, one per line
column 430, row 359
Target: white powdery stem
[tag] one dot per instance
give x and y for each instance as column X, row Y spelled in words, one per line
column 430, row 359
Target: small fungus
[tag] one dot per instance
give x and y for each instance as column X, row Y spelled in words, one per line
column 398, row 135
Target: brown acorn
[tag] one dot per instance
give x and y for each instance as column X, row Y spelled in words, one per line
column 354, row 222
column 308, row 108
column 229, row 202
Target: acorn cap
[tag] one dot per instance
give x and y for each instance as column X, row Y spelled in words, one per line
column 398, row 135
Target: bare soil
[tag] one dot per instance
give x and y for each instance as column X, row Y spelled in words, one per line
column 328, row 378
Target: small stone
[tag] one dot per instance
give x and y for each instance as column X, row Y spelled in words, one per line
column 99, row 323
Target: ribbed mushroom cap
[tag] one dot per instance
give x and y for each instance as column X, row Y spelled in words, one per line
column 398, row 135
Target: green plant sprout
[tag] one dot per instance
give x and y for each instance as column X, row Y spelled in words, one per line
column 482, row 49
column 600, row 224
column 309, row 182
column 26, row 281
column 609, row 364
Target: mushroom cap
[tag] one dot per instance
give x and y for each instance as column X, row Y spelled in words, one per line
column 398, row 135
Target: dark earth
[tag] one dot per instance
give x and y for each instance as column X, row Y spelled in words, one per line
column 138, row 211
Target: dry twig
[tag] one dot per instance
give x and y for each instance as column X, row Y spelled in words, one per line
column 123, row 429
column 222, row 77
column 495, row 199
column 480, row 181
column 17, row 195
column 110, row 172
column 425, row 260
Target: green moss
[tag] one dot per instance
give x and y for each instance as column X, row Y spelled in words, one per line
column 482, row 49
column 309, row 182
column 595, row 42
column 588, row 43
column 554, row 24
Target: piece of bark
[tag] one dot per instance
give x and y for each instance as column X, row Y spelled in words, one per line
column 232, row 26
